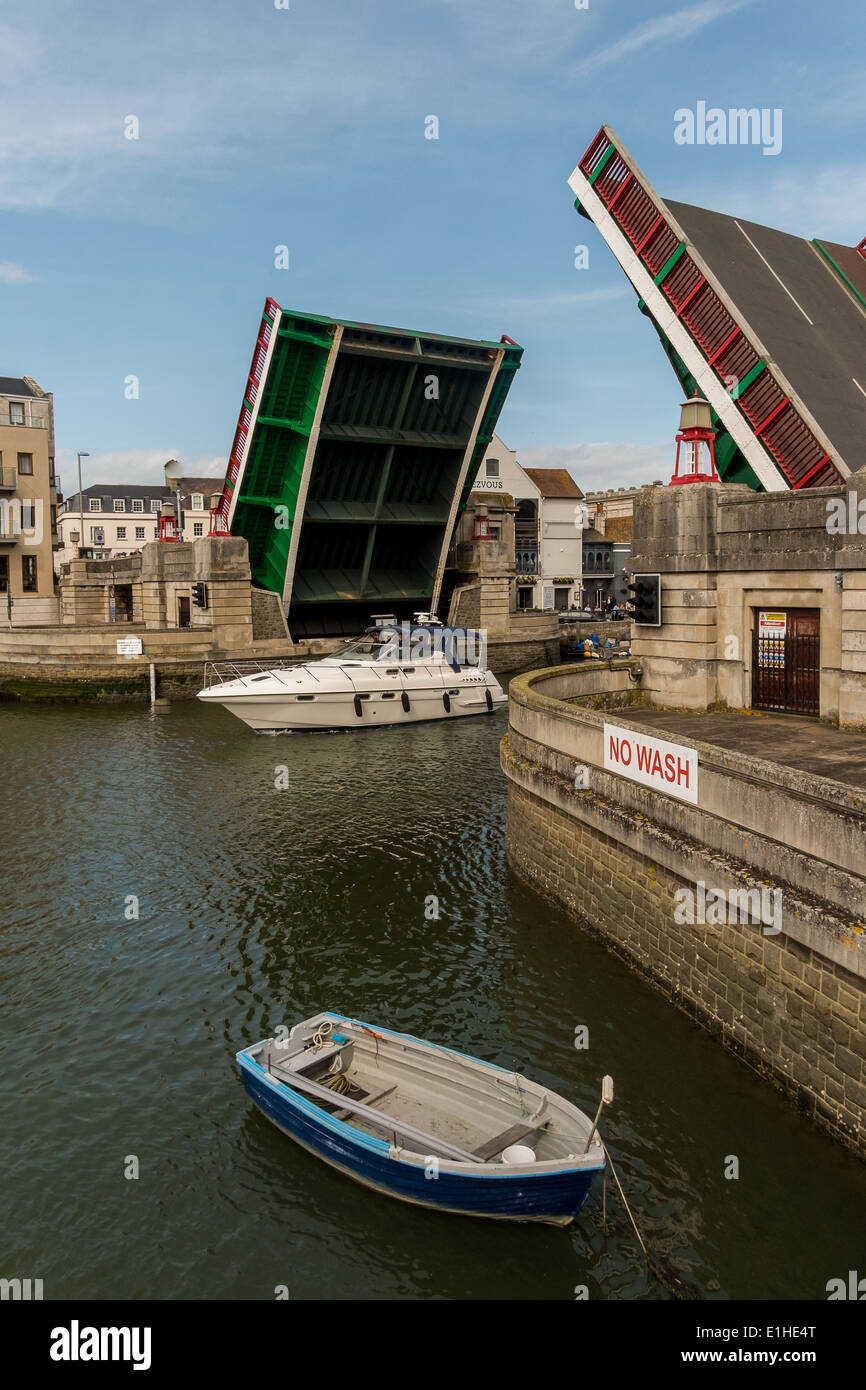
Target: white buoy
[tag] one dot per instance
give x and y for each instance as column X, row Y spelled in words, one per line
column 516, row 1154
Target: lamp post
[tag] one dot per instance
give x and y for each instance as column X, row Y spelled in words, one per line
column 81, row 500
column 173, row 474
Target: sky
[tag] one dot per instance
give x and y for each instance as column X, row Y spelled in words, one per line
column 301, row 123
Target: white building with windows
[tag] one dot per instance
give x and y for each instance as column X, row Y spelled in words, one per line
column 119, row 518
column 548, row 526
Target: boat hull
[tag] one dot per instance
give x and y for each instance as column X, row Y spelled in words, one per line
column 550, row 1197
column 339, row 710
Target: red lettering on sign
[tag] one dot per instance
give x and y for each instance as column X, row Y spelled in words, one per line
column 682, row 771
column 643, row 758
column 670, row 772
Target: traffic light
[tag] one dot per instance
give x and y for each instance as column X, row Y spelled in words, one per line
column 199, row 595
column 646, row 595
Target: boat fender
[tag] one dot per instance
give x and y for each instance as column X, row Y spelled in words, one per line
column 446, row 700
column 358, row 706
column 489, row 700
column 404, row 701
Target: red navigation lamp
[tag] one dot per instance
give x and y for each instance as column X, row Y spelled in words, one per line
column 482, row 529
column 218, row 524
column 696, row 458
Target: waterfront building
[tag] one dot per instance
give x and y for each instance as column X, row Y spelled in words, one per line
column 120, row 518
column 28, row 503
column 548, row 525
column 609, row 516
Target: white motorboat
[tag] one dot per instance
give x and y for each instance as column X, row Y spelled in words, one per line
column 394, row 674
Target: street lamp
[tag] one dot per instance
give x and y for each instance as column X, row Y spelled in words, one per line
column 81, row 500
column 173, row 474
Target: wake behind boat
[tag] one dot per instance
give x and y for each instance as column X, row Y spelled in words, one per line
column 394, row 674
column 426, row 1124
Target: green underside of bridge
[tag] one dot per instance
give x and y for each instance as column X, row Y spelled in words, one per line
column 396, row 421
column 732, row 465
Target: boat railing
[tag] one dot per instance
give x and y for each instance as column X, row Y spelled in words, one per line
column 218, row 672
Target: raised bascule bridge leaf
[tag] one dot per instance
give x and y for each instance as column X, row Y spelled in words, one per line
column 356, row 448
column 770, row 328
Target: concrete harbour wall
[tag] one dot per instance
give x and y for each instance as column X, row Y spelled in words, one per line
column 791, row 1004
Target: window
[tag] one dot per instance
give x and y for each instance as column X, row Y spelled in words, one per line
column 154, row 504
column 28, row 516
column 138, row 504
column 4, row 574
column 25, row 463
column 28, row 574
column 156, row 533
column 50, row 471
column 119, row 504
column 494, row 533
column 121, row 533
column 524, row 595
column 491, row 468
column 95, row 504
column 16, row 413
column 198, row 528
column 197, row 502
column 139, row 533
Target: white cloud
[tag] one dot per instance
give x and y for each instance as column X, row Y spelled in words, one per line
column 202, row 113
column 826, row 202
column 598, row 466
column 144, row 466
column 13, row 274
column 665, row 29
column 565, row 300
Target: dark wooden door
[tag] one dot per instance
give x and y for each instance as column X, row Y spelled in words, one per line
column 183, row 610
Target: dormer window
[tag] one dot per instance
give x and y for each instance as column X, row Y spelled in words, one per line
column 197, row 502
column 95, row 504
column 119, row 504
column 138, row 504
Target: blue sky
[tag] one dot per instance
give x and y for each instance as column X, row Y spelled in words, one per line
column 304, row 127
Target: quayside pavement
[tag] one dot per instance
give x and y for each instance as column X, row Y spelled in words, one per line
column 791, row 739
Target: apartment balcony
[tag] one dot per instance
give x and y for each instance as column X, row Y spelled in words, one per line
column 526, row 561
column 27, row 424
column 8, row 479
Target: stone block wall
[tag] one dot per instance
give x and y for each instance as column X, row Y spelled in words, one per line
column 616, row 854
column 793, row 1015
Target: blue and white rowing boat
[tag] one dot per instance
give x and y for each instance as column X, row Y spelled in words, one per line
column 423, row 1123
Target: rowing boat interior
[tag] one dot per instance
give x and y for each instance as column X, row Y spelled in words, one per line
column 425, row 1099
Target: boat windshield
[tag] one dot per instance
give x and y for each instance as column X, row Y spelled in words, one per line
column 363, row 649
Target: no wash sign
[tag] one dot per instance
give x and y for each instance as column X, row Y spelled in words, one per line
column 666, row 767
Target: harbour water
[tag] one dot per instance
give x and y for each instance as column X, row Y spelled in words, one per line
column 272, row 877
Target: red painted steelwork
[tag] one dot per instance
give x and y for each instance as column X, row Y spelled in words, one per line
column 770, row 412
column 219, row 524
